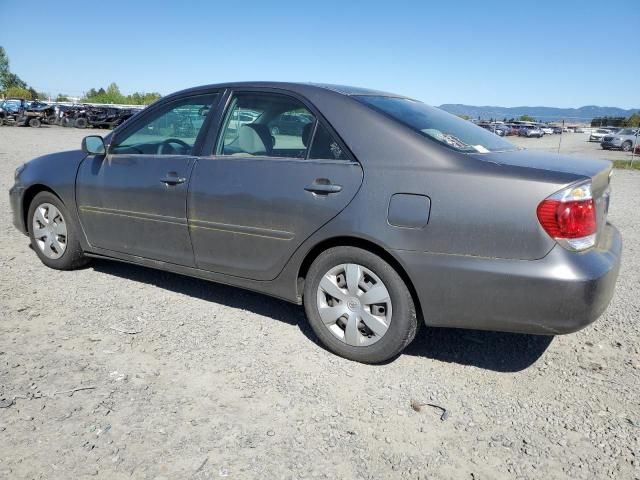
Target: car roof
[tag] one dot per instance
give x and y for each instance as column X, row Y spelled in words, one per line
column 300, row 87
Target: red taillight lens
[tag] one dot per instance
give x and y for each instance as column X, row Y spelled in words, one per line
column 567, row 219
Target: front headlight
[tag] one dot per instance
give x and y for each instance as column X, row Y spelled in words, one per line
column 18, row 171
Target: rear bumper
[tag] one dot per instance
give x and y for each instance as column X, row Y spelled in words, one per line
column 560, row 293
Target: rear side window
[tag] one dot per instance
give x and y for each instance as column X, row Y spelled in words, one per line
column 325, row 146
column 273, row 125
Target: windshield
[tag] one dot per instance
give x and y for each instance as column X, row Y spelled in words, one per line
column 438, row 125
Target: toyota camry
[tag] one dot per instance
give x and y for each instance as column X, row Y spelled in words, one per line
column 377, row 212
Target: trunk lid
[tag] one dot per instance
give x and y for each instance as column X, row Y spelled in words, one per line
column 598, row 171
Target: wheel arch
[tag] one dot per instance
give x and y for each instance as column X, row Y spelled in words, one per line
column 347, row 241
column 28, row 196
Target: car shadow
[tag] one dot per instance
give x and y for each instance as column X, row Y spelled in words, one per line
column 496, row 351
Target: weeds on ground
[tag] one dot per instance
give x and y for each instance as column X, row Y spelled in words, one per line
column 627, row 165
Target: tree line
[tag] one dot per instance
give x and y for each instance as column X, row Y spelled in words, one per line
column 11, row 85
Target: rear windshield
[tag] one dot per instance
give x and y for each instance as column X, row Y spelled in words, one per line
column 438, row 125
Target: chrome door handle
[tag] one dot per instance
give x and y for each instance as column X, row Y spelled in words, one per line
column 322, row 186
column 172, row 179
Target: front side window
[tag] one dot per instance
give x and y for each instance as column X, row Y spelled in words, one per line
column 169, row 131
column 438, row 125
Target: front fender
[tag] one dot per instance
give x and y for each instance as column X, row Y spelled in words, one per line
column 55, row 172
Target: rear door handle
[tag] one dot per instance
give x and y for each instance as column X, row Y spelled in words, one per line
column 322, row 186
column 172, row 178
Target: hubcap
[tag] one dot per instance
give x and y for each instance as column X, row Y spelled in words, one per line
column 49, row 230
column 354, row 304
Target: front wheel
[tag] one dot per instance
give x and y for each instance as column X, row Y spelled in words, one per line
column 53, row 236
column 626, row 146
column 358, row 305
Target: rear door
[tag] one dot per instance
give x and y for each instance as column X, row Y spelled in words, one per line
column 263, row 191
column 134, row 199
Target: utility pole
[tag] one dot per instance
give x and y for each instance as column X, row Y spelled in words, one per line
column 635, row 144
column 560, row 139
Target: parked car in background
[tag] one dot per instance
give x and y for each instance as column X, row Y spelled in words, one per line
column 530, row 131
column 557, row 130
column 547, row 130
column 500, row 131
column 624, row 140
column 289, row 123
column 359, row 216
column 599, row 133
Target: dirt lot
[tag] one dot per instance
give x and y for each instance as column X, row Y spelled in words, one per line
column 214, row 382
column 571, row 144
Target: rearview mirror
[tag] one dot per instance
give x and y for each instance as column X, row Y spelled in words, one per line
column 93, row 145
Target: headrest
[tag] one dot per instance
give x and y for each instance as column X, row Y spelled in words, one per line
column 255, row 139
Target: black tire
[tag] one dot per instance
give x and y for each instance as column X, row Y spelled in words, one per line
column 73, row 256
column 35, row 122
column 81, row 122
column 275, row 131
column 626, row 146
column 66, row 122
column 403, row 324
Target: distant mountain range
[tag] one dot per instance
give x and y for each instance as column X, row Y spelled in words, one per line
column 545, row 114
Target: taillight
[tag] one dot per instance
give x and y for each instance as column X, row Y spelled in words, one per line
column 569, row 217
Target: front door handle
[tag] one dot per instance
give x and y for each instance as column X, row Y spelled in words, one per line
column 172, row 178
column 322, row 186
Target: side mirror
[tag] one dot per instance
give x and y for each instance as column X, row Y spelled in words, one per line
column 93, row 145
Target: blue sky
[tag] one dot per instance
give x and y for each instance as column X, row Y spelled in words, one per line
column 507, row 53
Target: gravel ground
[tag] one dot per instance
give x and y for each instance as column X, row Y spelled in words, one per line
column 219, row 382
column 571, row 144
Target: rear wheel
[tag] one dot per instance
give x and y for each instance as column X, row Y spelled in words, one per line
column 53, row 236
column 358, row 305
column 81, row 122
column 35, row 123
column 626, row 146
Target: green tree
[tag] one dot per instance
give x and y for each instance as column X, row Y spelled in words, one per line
column 4, row 64
column 464, row 117
column 527, row 118
column 18, row 92
column 632, row 121
column 7, row 78
column 62, row 98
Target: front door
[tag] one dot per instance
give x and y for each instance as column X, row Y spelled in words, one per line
column 133, row 200
column 277, row 175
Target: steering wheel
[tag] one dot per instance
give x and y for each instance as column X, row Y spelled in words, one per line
column 166, row 143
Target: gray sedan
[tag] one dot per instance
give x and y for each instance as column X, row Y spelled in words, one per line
column 379, row 213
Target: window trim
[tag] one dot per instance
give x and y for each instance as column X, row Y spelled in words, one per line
column 225, row 103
